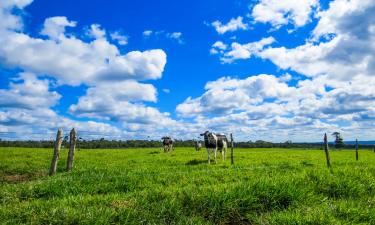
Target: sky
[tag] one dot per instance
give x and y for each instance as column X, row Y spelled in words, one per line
column 260, row 69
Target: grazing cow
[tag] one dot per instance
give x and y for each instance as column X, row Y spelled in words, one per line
column 197, row 145
column 213, row 142
column 167, row 144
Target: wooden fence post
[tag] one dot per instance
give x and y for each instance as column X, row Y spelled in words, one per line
column 56, row 153
column 231, row 150
column 326, row 150
column 72, row 147
column 356, row 149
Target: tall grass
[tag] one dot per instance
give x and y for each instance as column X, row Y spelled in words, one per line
column 147, row 186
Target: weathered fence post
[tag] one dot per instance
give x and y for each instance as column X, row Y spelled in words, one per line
column 56, row 153
column 72, row 147
column 231, row 150
column 326, row 150
column 356, row 149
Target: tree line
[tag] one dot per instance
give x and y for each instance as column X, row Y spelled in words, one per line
column 112, row 144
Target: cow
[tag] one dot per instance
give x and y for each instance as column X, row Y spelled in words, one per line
column 213, row 142
column 167, row 143
column 197, row 145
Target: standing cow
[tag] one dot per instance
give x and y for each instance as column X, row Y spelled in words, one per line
column 213, row 142
column 197, row 145
column 167, row 144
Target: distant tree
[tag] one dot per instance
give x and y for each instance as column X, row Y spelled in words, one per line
column 339, row 141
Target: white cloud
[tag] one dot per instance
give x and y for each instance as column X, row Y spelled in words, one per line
column 218, row 47
column 127, row 113
column 227, row 95
column 120, row 38
column 278, row 13
column 346, row 54
column 28, row 93
column 54, row 27
column 240, row 51
column 8, row 20
column 338, row 94
column 96, row 31
column 147, row 33
column 25, row 112
column 177, row 36
column 232, row 25
column 114, row 91
column 263, row 106
column 343, row 15
column 77, row 61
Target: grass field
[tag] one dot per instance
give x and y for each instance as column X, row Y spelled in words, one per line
column 146, row 186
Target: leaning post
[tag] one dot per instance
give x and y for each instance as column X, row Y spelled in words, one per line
column 72, row 147
column 356, row 149
column 231, row 150
column 326, row 150
column 56, row 153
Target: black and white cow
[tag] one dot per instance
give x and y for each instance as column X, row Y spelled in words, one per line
column 213, row 142
column 197, row 145
column 167, row 144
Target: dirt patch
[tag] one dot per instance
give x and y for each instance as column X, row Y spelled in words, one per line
column 122, row 203
column 18, row 178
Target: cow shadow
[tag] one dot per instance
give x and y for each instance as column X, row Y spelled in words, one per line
column 196, row 162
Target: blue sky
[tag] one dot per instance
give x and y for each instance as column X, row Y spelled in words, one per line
column 265, row 69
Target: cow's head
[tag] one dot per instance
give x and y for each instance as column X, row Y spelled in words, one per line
column 205, row 133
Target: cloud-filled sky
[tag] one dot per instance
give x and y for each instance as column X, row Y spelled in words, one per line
column 260, row 69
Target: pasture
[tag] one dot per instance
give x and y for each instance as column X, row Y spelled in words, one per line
column 148, row 186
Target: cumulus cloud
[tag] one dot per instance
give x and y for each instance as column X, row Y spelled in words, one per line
column 54, row 27
column 279, row 13
column 28, row 92
column 226, row 95
column 25, row 112
column 69, row 59
column 96, row 31
column 266, row 103
column 240, row 51
column 343, row 56
column 122, row 103
column 113, row 78
column 335, row 91
column 232, row 25
column 79, row 62
column 218, row 47
column 8, row 20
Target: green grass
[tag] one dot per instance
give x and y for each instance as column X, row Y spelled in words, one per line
column 147, row 186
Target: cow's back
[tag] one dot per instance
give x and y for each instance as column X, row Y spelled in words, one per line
column 222, row 141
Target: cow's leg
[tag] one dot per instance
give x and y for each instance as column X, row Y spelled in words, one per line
column 208, row 153
column 215, row 150
column 223, row 154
